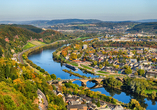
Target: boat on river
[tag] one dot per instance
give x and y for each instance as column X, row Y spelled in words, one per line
column 71, row 67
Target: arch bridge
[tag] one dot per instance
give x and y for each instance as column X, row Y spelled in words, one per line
column 83, row 81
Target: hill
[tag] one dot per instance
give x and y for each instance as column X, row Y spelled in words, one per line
column 16, row 36
column 114, row 24
column 147, row 20
column 51, row 22
column 65, row 21
column 29, row 27
column 146, row 27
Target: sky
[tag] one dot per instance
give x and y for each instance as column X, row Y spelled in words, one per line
column 105, row 10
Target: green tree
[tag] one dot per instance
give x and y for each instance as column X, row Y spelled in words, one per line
column 93, row 100
column 94, row 63
column 100, row 66
column 1, row 52
column 7, row 71
column 128, row 70
column 153, row 95
column 141, row 72
column 53, row 76
column 139, row 85
column 98, row 103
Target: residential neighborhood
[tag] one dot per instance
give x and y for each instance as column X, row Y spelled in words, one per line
column 114, row 59
column 83, row 102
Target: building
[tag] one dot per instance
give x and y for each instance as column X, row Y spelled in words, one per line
column 84, row 46
column 77, row 107
column 151, row 74
column 133, row 60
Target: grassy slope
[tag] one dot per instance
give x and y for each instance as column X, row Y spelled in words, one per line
column 32, row 44
column 28, row 45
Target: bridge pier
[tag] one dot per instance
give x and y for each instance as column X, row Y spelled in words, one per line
column 83, row 84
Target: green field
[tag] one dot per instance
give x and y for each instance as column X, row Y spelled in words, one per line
column 32, row 44
column 86, row 67
column 35, row 42
column 81, row 38
column 72, row 63
column 103, row 72
column 28, row 45
column 150, row 91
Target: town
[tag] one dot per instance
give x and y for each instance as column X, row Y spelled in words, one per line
column 139, row 60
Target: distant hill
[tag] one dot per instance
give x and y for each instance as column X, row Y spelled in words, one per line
column 51, row 22
column 112, row 24
column 146, row 27
column 65, row 21
column 147, row 20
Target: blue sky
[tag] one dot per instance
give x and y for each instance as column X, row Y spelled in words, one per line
column 106, row 10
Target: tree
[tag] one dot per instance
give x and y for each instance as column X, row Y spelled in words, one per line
column 139, row 85
column 141, row 72
column 128, row 70
column 98, row 103
column 73, row 56
column 153, row 95
column 53, row 76
column 64, row 53
column 94, row 63
column 93, row 100
column 100, row 66
column 1, row 52
column 7, row 71
column 136, row 73
column 116, row 66
column 135, row 105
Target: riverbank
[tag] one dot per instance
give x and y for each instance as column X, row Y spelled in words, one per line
column 72, row 73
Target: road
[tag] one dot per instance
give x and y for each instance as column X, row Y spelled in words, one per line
column 45, row 104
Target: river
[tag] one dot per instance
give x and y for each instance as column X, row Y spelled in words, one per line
column 44, row 60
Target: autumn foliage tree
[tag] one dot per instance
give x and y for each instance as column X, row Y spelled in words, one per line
column 135, row 105
column 64, row 53
column 73, row 56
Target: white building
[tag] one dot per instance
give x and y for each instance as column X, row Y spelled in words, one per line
column 84, row 46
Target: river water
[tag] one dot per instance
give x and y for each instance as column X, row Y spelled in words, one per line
column 45, row 60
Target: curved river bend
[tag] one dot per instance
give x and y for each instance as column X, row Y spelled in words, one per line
column 44, row 60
